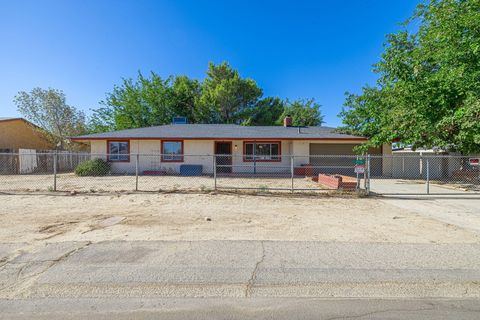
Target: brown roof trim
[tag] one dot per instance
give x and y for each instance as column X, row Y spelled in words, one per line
column 217, row 138
column 22, row 119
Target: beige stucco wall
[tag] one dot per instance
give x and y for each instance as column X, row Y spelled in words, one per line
column 98, row 147
column 301, row 150
column 387, row 163
column 387, row 149
column 200, row 151
column 195, row 152
column 19, row 134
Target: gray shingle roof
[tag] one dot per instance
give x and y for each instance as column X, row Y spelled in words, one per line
column 221, row 131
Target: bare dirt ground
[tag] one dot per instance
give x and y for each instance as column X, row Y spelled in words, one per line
column 69, row 182
column 280, row 183
column 37, row 218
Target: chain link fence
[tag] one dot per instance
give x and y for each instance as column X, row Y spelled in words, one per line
column 380, row 174
column 423, row 174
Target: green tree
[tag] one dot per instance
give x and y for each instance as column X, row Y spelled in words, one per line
column 47, row 108
column 147, row 101
column 222, row 97
column 226, row 97
column 185, row 92
column 304, row 113
column 264, row 113
column 428, row 90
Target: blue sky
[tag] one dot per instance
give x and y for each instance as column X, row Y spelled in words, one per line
column 293, row 49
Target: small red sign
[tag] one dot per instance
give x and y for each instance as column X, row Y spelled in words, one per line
column 474, row 161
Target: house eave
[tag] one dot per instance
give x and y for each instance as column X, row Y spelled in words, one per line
column 222, row 138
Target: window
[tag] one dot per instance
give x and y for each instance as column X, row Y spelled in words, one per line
column 262, row 151
column 172, row 151
column 118, row 151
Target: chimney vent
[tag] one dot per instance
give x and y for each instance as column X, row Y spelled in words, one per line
column 287, row 122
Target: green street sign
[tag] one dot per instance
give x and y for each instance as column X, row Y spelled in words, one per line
column 359, row 161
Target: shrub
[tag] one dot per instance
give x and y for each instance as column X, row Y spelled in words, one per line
column 94, row 167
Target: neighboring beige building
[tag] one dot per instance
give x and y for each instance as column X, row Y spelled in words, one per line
column 18, row 133
column 239, row 149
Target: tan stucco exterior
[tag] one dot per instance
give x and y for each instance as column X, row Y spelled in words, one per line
column 200, row 151
column 20, row 134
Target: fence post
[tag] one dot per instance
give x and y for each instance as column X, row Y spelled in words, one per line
column 55, row 170
column 365, row 174
column 292, row 171
column 137, row 156
column 428, row 176
column 358, row 178
column 368, row 175
column 214, row 157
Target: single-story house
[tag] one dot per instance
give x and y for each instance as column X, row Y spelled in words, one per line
column 24, row 148
column 269, row 148
column 18, row 133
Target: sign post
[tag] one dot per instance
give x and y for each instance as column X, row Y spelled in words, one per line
column 359, row 169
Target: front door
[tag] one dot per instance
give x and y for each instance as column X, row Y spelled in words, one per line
column 223, row 159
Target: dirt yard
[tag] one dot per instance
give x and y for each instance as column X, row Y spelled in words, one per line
column 69, row 182
column 35, row 218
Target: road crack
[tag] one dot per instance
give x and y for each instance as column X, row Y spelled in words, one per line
column 253, row 277
column 23, row 283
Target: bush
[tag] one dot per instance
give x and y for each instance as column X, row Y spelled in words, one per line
column 94, row 167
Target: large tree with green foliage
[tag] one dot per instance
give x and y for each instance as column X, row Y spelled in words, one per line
column 303, row 113
column 226, row 97
column 48, row 109
column 265, row 112
column 147, row 101
column 428, row 92
column 222, row 97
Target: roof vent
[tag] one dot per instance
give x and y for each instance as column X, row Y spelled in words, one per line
column 179, row 120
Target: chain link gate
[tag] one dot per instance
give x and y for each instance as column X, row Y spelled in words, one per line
column 401, row 174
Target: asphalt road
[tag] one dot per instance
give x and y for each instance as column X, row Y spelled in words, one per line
column 265, row 279
column 228, row 308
